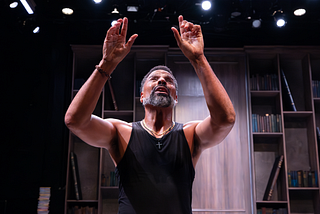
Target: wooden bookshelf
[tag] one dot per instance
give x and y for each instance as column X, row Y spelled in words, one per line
column 297, row 141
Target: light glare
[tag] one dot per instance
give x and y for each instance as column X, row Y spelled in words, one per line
column 206, row 5
column 299, row 12
column 97, row 1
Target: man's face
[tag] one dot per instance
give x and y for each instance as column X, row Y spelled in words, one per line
column 159, row 90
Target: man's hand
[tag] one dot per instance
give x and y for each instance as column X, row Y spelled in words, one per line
column 191, row 40
column 115, row 47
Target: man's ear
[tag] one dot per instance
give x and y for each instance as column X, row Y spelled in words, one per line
column 176, row 99
column 141, row 97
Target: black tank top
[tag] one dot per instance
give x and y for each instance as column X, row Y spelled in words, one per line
column 156, row 175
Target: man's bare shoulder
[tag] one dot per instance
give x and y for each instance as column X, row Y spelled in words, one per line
column 123, row 128
column 119, row 123
column 191, row 125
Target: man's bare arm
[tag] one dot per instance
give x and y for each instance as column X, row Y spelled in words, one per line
column 79, row 119
column 215, row 127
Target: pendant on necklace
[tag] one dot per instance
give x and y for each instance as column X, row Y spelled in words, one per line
column 159, row 144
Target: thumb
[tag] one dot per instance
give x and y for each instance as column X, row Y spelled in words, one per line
column 176, row 35
column 131, row 40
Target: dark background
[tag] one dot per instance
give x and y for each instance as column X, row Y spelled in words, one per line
column 36, row 72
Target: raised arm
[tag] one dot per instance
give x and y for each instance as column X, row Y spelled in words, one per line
column 79, row 119
column 218, row 124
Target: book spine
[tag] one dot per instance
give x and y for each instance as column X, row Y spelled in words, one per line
column 288, row 92
column 75, row 175
column 273, row 178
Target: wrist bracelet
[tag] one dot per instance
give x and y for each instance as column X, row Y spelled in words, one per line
column 102, row 72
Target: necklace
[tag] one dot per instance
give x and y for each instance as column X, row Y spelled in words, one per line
column 155, row 134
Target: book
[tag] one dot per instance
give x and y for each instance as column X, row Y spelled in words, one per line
column 273, row 178
column 75, row 174
column 287, row 93
column 112, row 95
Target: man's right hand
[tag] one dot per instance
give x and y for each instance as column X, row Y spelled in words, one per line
column 115, row 47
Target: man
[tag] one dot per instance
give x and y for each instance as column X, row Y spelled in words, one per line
column 154, row 158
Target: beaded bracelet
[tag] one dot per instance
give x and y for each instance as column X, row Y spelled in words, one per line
column 102, row 72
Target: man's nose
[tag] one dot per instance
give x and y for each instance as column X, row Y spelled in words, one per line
column 162, row 81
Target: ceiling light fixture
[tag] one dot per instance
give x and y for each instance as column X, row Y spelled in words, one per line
column 97, row 1
column 67, row 11
column 115, row 10
column 279, row 18
column 13, row 4
column 299, row 12
column 36, row 29
column 29, row 7
column 206, row 5
column 256, row 23
column 132, row 8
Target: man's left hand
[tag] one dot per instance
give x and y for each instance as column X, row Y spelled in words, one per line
column 190, row 39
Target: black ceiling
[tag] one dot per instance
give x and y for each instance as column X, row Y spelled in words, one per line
column 90, row 21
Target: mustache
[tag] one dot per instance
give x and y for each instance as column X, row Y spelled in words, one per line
column 160, row 85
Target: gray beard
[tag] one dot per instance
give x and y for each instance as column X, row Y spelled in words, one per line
column 159, row 100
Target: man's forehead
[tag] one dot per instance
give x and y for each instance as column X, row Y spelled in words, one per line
column 160, row 71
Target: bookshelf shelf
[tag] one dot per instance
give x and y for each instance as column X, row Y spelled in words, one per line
column 264, row 93
column 82, row 201
column 272, row 202
column 297, row 113
column 303, row 188
column 316, row 100
column 267, row 134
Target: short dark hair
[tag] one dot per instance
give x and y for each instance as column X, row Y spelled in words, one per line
column 159, row 67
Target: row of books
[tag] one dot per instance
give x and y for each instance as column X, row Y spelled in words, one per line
column 82, row 210
column 266, row 123
column 110, row 180
column 44, row 200
column 267, row 210
column 316, row 88
column 265, row 82
column 301, row 178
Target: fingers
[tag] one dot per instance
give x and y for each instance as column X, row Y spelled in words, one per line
column 114, row 30
column 124, row 27
column 131, row 40
column 176, row 35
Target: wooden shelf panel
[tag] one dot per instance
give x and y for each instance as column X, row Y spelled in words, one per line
column 110, row 192
column 265, row 93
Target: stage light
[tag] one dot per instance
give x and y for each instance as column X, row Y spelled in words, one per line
column 115, row 10
column 113, row 22
column 281, row 22
column 206, row 5
column 36, row 29
column 279, row 18
column 97, row 1
column 132, row 8
column 256, row 23
column 299, row 12
column 67, row 11
column 29, row 7
column 13, row 4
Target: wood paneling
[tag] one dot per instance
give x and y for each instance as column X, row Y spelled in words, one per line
column 222, row 183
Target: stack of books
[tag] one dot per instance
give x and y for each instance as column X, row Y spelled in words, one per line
column 44, row 200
